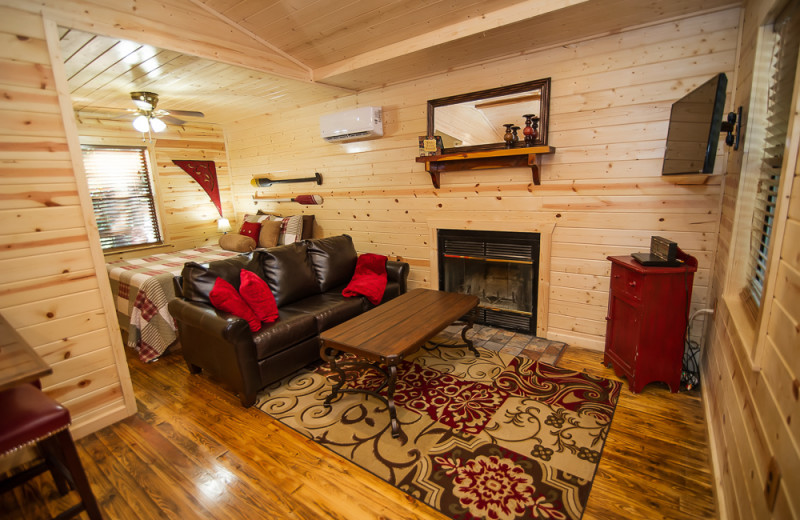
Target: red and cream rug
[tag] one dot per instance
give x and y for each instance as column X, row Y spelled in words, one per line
column 497, row 437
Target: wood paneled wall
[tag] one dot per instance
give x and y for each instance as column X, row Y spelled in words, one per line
column 753, row 412
column 53, row 288
column 188, row 217
column 602, row 188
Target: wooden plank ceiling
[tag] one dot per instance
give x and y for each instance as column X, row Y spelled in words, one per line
column 324, row 49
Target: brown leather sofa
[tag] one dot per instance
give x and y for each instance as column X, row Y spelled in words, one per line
column 306, row 279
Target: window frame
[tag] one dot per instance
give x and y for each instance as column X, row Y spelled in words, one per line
column 152, row 175
column 750, row 321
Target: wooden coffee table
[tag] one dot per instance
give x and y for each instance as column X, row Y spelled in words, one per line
column 386, row 334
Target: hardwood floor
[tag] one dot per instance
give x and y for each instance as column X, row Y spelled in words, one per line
column 193, row 452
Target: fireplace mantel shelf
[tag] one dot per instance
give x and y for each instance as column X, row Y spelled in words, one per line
column 502, row 158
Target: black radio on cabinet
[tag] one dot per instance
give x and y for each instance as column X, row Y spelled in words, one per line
column 663, row 252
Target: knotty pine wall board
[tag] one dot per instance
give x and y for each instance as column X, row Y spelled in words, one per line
column 50, row 275
column 610, row 102
column 751, row 410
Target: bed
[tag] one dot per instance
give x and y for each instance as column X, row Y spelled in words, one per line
column 142, row 287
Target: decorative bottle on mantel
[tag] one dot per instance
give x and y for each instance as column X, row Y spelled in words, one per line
column 514, row 135
column 509, row 137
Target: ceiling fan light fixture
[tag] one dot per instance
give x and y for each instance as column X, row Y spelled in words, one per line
column 141, row 124
column 144, row 100
column 157, row 125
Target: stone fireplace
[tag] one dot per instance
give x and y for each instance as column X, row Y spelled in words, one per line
column 505, row 264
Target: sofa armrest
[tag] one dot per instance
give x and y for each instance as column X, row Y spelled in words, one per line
column 219, row 343
column 398, row 272
column 177, row 285
column 219, row 324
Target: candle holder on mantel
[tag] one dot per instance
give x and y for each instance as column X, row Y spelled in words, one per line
column 508, row 137
column 531, row 130
column 528, row 130
column 515, row 135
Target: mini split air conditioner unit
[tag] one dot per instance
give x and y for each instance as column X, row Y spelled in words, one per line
column 351, row 125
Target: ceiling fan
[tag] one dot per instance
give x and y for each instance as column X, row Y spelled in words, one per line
column 147, row 117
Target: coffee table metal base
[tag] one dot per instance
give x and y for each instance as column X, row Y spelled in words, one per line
column 390, row 380
column 390, row 373
column 466, row 342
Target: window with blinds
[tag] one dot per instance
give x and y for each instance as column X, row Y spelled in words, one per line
column 782, row 73
column 119, row 183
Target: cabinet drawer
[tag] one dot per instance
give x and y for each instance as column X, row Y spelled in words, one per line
column 627, row 282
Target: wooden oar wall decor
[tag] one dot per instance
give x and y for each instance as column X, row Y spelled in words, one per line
column 308, row 200
column 264, row 182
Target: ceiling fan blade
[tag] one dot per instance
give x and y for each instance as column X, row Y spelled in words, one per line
column 185, row 113
column 172, row 120
column 130, row 115
column 107, row 113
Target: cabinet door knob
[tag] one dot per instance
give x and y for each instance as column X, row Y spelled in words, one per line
column 632, row 284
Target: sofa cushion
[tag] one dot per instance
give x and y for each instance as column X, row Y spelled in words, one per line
column 288, row 272
column 291, row 328
column 333, row 259
column 329, row 309
column 198, row 279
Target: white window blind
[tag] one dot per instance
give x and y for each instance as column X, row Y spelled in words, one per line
column 783, row 66
column 119, row 183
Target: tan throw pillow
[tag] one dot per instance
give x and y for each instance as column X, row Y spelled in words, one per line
column 259, row 217
column 270, row 229
column 237, row 242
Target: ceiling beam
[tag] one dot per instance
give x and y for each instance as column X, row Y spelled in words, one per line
column 474, row 26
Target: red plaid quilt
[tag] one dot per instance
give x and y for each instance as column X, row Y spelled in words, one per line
column 142, row 287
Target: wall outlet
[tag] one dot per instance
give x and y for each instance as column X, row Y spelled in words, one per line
column 772, row 484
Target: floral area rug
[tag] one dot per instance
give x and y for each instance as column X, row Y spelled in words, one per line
column 496, row 437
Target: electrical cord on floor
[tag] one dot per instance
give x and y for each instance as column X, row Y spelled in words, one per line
column 690, row 375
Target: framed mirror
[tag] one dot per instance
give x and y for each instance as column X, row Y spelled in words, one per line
column 476, row 121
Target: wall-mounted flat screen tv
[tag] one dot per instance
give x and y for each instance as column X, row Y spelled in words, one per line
column 694, row 127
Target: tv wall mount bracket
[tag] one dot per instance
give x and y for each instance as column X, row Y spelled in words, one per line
column 733, row 127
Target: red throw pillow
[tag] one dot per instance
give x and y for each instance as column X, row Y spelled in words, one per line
column 224, row 297
column 250, row 229
column 369, row 278
column 258, row 296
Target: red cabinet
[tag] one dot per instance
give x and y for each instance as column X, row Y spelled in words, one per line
column 647, row 312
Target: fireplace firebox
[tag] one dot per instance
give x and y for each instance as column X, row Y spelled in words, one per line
column 501, row 268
